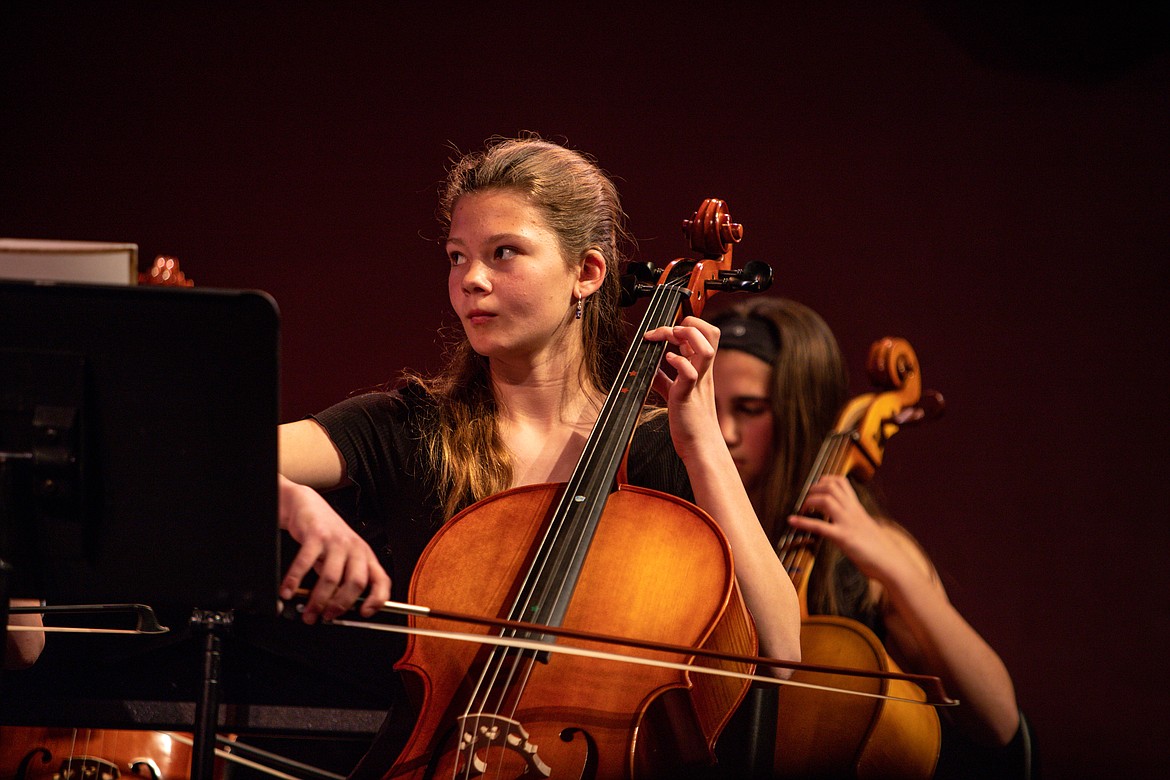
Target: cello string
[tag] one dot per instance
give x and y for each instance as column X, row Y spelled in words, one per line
column 839, row 458
column 618, row 415
column 788, row 540
column 641, row 366
column 614, row 423
column 72, row 749
column 489, row 694
column 596, row 448
column 547, row 565
column 570, row 530
column 495, row 664
column 802, row 547
column 565, row 536
column 839, row 464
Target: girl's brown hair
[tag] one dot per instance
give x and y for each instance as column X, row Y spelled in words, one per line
column 580, row 205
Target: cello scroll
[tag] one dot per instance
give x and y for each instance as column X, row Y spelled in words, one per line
column 712, row 234
column 871, row 420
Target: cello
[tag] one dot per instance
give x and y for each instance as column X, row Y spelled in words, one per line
column 626, row 561
column 856, row 737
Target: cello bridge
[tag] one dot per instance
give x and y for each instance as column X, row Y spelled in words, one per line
column 482, row 732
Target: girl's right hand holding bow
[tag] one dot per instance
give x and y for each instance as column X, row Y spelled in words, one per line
column 345, row 564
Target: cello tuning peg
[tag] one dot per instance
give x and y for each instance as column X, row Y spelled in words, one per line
column 929, row 407
column 643, row 271
column 932, row 404
column 755, row 276
column 638, row 282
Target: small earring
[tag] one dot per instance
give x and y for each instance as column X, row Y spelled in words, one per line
column 580, row 308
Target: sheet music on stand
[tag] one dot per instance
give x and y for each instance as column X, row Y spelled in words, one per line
column 79, row 262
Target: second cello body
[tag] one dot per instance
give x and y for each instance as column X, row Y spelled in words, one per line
column 852, row 736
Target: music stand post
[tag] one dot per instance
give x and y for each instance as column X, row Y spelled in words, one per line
column 213, row 625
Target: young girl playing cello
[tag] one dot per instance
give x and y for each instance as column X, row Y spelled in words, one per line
column 534, row 236
column 780, row 384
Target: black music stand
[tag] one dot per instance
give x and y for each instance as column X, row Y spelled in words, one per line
column 138, row 455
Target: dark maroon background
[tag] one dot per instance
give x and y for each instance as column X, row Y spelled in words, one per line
column 990, row 185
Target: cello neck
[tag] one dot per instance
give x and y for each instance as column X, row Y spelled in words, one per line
column 685, row 283
column 798, row 550
column 857, row 443
column 546, row 593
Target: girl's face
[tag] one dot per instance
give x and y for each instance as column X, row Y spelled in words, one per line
column 742, row 402
column 509, row 283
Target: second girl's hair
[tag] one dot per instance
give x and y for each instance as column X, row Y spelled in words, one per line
column 809, row 386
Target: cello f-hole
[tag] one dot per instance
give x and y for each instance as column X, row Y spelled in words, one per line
column 589, row 771
column 22, row 768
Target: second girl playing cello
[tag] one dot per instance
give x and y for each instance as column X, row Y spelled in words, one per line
column 534, row 242
column 780, row 383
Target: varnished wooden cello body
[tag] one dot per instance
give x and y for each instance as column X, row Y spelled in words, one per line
column 33, row 753
column 825, row 736
column 630, row 562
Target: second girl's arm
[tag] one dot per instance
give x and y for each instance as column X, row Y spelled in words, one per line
column 924, row 627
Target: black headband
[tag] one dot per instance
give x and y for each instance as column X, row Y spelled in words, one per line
column 752, row 335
